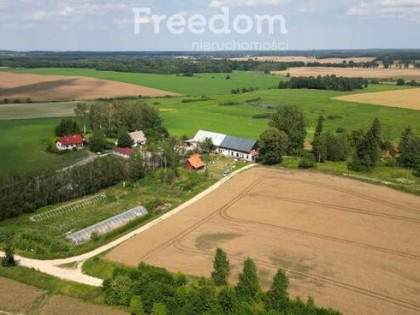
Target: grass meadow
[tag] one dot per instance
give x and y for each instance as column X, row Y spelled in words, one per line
column 186, row 118
column 23, row 144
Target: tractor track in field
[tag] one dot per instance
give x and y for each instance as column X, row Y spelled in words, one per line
column 215, row 213
column 348, row 192
column 337, row 207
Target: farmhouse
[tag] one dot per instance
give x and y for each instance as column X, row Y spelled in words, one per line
column 72, row 142
column 194, row 163
column 138, row 137
column 124, row 152
column 240, row 148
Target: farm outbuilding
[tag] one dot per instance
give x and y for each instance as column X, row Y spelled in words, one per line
column 194, row 163
column 107, row 225
column 124, row 152
column 72, row 142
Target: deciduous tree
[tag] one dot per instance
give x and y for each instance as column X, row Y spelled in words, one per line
column 221, row 268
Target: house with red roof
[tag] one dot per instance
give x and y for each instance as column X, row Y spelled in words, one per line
column 72, row 142
column 194, row 163
column 124, row 152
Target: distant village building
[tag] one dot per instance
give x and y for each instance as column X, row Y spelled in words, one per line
column 194, row 163
column 138, row 138
column 237, row 147
column 124, row 152
column 72, row 142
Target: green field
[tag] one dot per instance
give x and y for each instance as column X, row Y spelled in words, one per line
column 186, row 118
column 23, row 144
column 200, row 84
column 36, row 110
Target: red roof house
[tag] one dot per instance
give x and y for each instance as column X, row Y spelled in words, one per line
column 69, row 142
column 194, row 163
column 124, row 152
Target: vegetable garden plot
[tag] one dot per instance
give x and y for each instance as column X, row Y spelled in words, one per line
column 64, row 210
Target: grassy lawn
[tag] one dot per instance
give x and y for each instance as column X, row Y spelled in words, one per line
column 200, row 84
column 23, row 143
column 46, row 239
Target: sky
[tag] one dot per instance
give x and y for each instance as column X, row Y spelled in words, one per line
column 109, row 25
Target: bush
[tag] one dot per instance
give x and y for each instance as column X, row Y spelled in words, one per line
column 9, row 259
column 340, row 130
column 307, row 162
column 229, row 103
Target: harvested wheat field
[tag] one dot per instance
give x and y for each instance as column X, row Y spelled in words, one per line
column 64, row 305
column 64, row 88
column 409, row 98
column 304, row 59
column 17, row 297
column 379, row 73
column 351, row 245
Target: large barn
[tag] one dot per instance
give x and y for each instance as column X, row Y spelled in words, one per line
column 237, row 147
column 241, row 148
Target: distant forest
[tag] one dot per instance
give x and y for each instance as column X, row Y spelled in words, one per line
column 195, row 62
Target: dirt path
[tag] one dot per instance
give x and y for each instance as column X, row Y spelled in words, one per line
column 51, row 266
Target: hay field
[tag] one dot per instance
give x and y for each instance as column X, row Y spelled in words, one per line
column 379, row 73
column 64, row 305
column 304, row 59
column 17, row 297
column 409, row 98
column 63, row 88
column 361, row 256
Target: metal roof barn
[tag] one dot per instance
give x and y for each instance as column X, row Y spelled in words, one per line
column 202, row 135
column 107, row 225
column 244, row 145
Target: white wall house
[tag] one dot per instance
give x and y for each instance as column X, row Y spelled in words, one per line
column 239, row 148
column 69, row 143
column 236, row 147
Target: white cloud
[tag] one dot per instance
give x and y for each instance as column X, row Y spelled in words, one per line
column 244, row 3
column 404, row 9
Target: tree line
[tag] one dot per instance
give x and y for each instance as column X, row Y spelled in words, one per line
column 363, row 150
column 324, row 83
column 26, row 192
column 152, row 290
column 149, row 65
